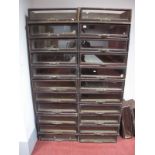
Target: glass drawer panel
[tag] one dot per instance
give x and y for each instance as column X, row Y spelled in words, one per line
column 100, row 59
column 54, row 86
column 53, row 44
column 57, row 137
column 101, row 86
column 57, row 120
column 56, row 97
column 98, row 129
column 103, row 45
column 101, row 109
column 56, row 108
column 104, row 30
column 97, row 138
column 54, row 72
column 113, row 15
column 53, row 30
column 54, row 58
column 53, row 15
column 57, row 129
column 99, row 119
column 101, row 98
column 99, row 73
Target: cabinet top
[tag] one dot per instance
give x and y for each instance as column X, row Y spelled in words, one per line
column 74, row 15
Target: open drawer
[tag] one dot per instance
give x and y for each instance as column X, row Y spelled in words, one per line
column 57, row 119
column 104, row 30
column 102, row 59
column 102, row 73
column 54, row 45
column 100, row 109
column 56, row 97
column 58, row 129
column 53, row 30
column 101, row 98
column 101, row 86
column 58, row 14
column 98, row 138
column 99, row 130
column 56, row 108
column 53, row 72
column 57, row 137
column 103, row 45
column 54, row 86
column 54, row 59
column 99, row 119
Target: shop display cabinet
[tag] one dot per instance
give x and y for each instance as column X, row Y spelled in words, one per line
column 78, row 62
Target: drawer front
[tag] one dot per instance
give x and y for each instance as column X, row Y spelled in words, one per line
column 102, row 59
column 97, row 138
column 53, row 30
column 54, row 44
column 100, row 109
column 58, row 129
column 104, row 30
column 101, row 86
column 102, row 73
column 54, row 59
column 54, row 73
column 99, row 119
column 57, row 137
column 54, row 86
column 104, row 44
column 56, row 108
column 101, row 98
column 99, row 130
column 57, row 119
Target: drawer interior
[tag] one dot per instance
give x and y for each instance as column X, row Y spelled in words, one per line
column 88, row 119
column 101, row 85
column 53, row 29
column 102, row 73
column 102, row 30
column 99, row 98
column 45, row 85
column 53, row 44
column 57, row 119
column 57, row 107
column 54, row 58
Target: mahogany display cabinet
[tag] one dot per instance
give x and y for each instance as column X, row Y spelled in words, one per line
column 78, row 62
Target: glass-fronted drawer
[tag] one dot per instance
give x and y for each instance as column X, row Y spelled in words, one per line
column 101, row 86
column 59, row 119
column 101, row 98
column 57, row 137
column 56, row 108
column 104, row 30
column 99, row 129
column 98, row 138
column 59, row 128
column 56, row 97
column 53, row 30
column 102, row 59
column 107, row 15
column 53, row 72
column 99, row 119
column 54, row 86
column 53, row 14
column 54, row 58
column 103, row 45
column 102, row 73
column 100, row 109
column 54, row 44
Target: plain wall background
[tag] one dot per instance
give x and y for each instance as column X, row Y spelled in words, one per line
column 129, row 4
